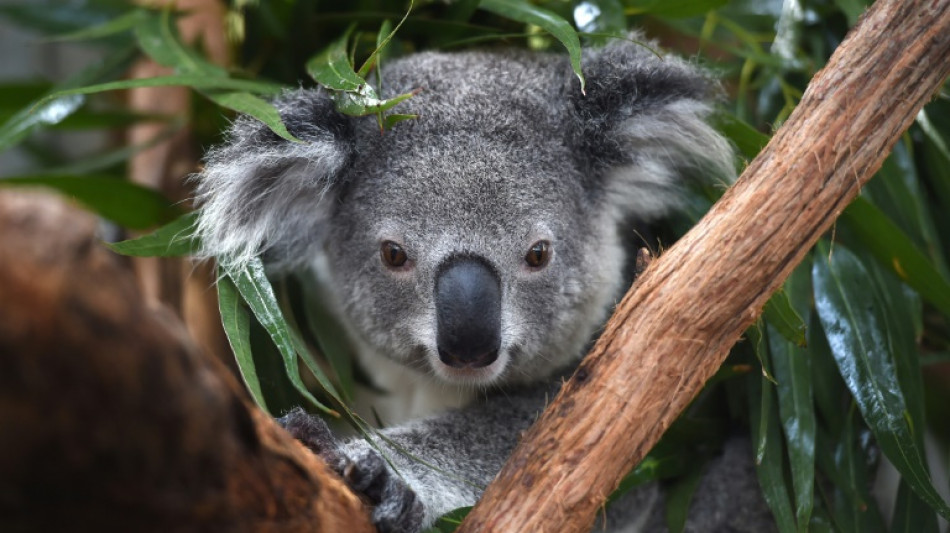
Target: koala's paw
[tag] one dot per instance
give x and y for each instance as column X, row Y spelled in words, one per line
column 396, row 508
column 314, row 433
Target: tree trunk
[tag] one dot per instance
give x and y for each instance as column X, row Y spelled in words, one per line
column 675, row 327
column 177, row 282
column 112, row 420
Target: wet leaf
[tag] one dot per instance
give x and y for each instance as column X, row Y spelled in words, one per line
column 792, row 371
column 769, row 465
column 854, row 326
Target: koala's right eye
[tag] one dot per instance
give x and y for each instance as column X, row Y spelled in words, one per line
column 392, row 254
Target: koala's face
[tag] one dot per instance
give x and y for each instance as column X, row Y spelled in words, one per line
column 471, row 258
column 479, row 242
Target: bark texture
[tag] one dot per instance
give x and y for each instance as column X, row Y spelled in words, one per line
column 676, row 326
column 112, row 420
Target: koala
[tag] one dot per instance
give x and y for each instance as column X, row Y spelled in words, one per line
column 471, row 253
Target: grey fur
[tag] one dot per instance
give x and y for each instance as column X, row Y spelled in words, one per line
column 506, row 151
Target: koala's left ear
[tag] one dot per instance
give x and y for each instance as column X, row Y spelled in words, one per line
column 262, row 194
column 641, row 128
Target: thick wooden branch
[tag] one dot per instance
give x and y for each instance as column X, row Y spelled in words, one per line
column 673, row 330
column 111, row 420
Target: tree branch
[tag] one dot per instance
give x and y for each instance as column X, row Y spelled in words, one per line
column 672, row 331
column 113, row 421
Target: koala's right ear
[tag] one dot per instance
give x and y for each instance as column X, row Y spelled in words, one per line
column 262, row 194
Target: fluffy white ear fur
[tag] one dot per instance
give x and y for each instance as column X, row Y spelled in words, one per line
column 667, row 142
column 267, row 199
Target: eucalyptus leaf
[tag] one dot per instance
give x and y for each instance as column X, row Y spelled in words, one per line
column 392, row 119
column 255, row 288
column 236, row 322
column 747, row 139
column 911, row 514
column 332, row 68
column 450, row 521
column 54, row 107
column 792, row 369
column 778, row 312
column 175, row 239
column 528, row 13
column 195, row 81
column 674, row 8
column 678, row 496
column 769, row 466
column 159, row 39
column 854, row 324
column 125, row 203
column 874, row 231
column 120, row 24
column 248, row 104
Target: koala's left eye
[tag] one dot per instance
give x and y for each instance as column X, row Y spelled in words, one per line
column 539, row 254
column 392, row 254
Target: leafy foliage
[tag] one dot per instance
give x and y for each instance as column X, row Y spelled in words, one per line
column 830, row 375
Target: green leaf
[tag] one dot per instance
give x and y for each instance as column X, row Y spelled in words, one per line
column 598, row 20
column 769, row 466
column 382, row 39
column 256, row 290
column 792, row 369
column 893, row 248
column 332, row 69
column 674, row 8
column 236, row 324
column 450, row 521
column 195, row 81
column 249, row 104
column 780, row 315
column 911, row 514
column 63, row 16
column 854, row 325
column 158, row 38
column 678, row 497
column 527, row 13
column 111, row 158
column 175, row 239
column 365, row 102
column 747, row 139
column 122, row 202
column 395, row 118
column 330, row 336
column 122, row 23
column 855, row 508
column 54, row 107
column 897, row 191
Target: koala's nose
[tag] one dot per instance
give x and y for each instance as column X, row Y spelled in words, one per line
column 468, row 311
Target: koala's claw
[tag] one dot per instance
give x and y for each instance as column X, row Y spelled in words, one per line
column 396, row 508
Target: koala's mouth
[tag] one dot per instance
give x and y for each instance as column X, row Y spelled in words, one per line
column 469, row 374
